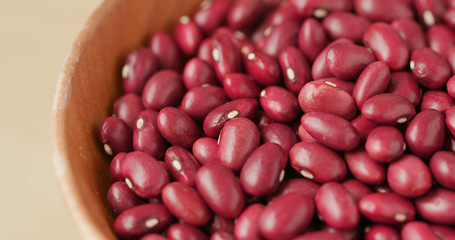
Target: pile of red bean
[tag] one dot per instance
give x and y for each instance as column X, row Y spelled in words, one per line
column 293, row 119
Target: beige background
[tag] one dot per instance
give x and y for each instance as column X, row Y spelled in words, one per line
column 35, row 37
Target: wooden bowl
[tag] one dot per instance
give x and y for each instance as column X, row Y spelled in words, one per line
column 87, row 87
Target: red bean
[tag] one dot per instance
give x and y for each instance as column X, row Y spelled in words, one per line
column 320, row 69
column 385, row 144
column 205, row 53
column 356, row 188
column 279, row 37
column 115, row 172
column 197, row 73
column 295, row 69
column 165, row 88
column 238, row 139
column 377, row 232
column 363, row 126
column 316, row 162
column 429, row 12
column 418, row 230
column 286, row 216
column 449, row 18
column 337, row 206
column 405, row 85
column 185, row 203
column 312, row 38
column 326, row 96
column 451, row 86
column 411, row 32
column 437, row 206
column 217, row 118
column 116, row 136
column 316, row 235
column 331, row 130
column 438, row 100
column 298, row 185
column 205, row 150
column 141, row 220
column 304, row 135
column 279, row 104
column 199, row 101
column 262, row 68
column 146, row 135
column 384, row 10
column 440, row 39
column 220, row 189
column 167, row 52
column 319, row 8
column 177, row 127
column 121, row 198
column 280, row 134
column 425, row 133
column 283, row 13
column 181, row 164
column 387, row 45
column 211, row 14
column 450, row 119
column 219, row 224
column 187, row 35
column 372, row 81
column 429, row 68
column 347, row 60
column 345, row 25
column 443, row 232
column 181, row 231
column 153, row 236
column 364, row 168
column 244, row 14
column 140, row 65
column 246, row 227
column 226, row 56
column 442, row 165
column 387, row 208
column 239, row 85
column 409, row 176
column 388, row 108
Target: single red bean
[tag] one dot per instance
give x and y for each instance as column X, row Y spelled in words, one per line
column 226, row 56
column 411, row 32
column 280, row 134
column 298, row 185
column 326, row 96
column 167, row 52
column 320, row 68
column 219, row 224
column 425, row 133
column 295, row 68
column 347, row 60
column 377, row 232
column 279, row 37
column 373, row 80
column 279, row 104
column 199, row 101
column 429, row 12
column 363, row 126
column 177, row 127
column 239, row 85
column 388, row 108
column 146, row 135
column 165, row 88
column 442, row 165
column 443, row 232
column 244, row 14
column 337, row 206
column 304, row 135
column 385, row 144
column 430, row 69
column 247, row 225
column 449, row 17
column 205, row 52
column 405, row 85
column 437, row 206
column 387, row 208
column 185, row 203
column 140, row 65
column 116, row 136
column 115, row 172
column 345, row 25
column 283, row 13
column 238, row 139
column 141, row 220
column 331, row 130
column 364, row 168
column 121, row 198
column 153, row 236
column 384, row 10
column 187, row 35
column 437, row 100
column 181, row 231
column 440, row 39
column 409, row 176
column 317, row 235
column 356, row 188
column 181, row 164
column 262, row 68
column 417, row 230
column 450, row 119
column 319, row 8
column 316, row 162
column 387, row 45
column 220, row 189
column 217, row 118
column 286, row 216
column 205, row 150
column 451, row 86
column 198, row 73
column 211, row 14
column 312, row 38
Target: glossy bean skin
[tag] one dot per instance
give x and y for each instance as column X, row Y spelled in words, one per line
column 312, row 38
column 226, row 56
column 165, row 88
column 187, row 35
column 262, row 68
column 429, row 12
column 295, row 68
column 217, row 118
column 331, row 130
column 185, row 203
column 451, row 86
column 449, row 18
column 386, row 11
column 239, row 85
column 153, row 236
column 320, row 68
column 326, row 96
column 425, row 134
column 418, row 230
column 222, row 236
column 316, row 162
column 211, row 14
column 238, row 139
column 307, row 8
column 121, row 198
column 387, row 208
column 246, row 227
column 442, row 165
column 181, row 164
column 141, row 220
column 220, row 189
column 166, row 50
column 409, row 176
column 440, row 39
column 430, row 69
column 198, row 73
column 437, row 206
column 347, row 60
column 345, row 25
column 280, row 134
column 204, row 53
column 387, row 45
column 146, row 135
column 139, row 66
column 405, row 85
column 363, row 126
column 181, row 231
column 443, row 231
column 298, row 185
column 337, row 206
column 373, row 80
column 411, row 32
column 304, row 135
column 281, row 35
column 286, row 216
column 279, row 104
column 243, row 14
column 385, row 144
column 316, row 235
column 115, row 172
column 385, row 232
column 437, row 100
column 356, row 188
column 205, row 150
column 116, row 136
column 388, row 108
column 263, row 170
column 199, row 101
column 177, row 127
column 364, row 168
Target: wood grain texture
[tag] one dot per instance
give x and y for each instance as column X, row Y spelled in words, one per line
column 87, row 87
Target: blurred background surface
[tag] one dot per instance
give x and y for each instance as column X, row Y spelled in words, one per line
column 35, row 37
